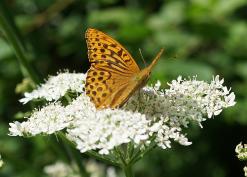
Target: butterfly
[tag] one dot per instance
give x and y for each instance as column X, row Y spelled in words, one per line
column 114, row 75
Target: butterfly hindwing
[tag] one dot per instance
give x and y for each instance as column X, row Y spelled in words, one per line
column 96, row 87
column 102, row 86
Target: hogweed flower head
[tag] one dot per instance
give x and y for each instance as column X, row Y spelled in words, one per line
column 150, row 115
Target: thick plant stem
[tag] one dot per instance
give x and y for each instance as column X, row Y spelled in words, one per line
column 7, row 25
column 102, row 158
column 73, row 155
column 126, row 166
column 128, row 171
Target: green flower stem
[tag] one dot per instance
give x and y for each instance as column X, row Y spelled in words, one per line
column 102, row 158
column 91, row 153
column 128, row 171
column 67, row 97
column 130, row 149
column 7, row 25
column 73, row 155
column 123, row 157
column 120, row 155
column 140, row 155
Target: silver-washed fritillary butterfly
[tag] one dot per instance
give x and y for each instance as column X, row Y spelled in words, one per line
column 114, row 75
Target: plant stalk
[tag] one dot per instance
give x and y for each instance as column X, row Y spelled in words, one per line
column 91, row 153
column 128, row 171
column 73, row 155
column 11, row 33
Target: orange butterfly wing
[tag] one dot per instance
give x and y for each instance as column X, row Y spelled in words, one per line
column 111, row 71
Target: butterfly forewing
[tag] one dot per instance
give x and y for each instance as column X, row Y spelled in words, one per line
column 103, row 47
column 112, row 67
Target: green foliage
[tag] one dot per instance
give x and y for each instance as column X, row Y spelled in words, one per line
column 201, row 37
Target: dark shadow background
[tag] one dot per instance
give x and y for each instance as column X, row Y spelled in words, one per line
column 201, row 37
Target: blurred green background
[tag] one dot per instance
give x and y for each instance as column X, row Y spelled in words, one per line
column 201, row 37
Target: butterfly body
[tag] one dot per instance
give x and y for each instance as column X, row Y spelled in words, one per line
column 124, row 93
column 114, row 75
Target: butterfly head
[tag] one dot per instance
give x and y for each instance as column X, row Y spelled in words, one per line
column 143, row 76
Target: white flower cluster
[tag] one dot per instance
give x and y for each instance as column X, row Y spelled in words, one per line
column 61, row 169
column 151, row 112
column 184, row 101
column 106, row 128
column 47, row 120
column 56, row 87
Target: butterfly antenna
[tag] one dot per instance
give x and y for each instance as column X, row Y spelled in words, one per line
column 142, row 57
column 156, row 59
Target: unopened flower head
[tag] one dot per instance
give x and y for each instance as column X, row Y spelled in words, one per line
column 150, row 114
column 98, row 170
column 61, row 169
column 95, row 169
column 245, row 171
column 241, row 150
column 1, row 161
